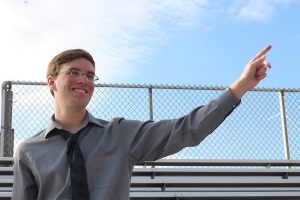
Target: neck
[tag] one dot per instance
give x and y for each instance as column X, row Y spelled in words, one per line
column 70, row 120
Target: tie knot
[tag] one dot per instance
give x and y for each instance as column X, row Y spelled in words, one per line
column 72, row 142
column 73, row 137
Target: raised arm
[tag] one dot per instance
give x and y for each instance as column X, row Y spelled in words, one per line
column 253, row 73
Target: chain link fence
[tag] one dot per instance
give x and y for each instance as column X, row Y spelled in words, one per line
column 265, row 125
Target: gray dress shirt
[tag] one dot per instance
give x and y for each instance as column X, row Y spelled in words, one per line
column 110, row 150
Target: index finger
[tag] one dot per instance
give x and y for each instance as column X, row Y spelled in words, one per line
column 262, row 52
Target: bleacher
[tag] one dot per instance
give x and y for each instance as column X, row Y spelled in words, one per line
column 200, row 179
column 6, row 177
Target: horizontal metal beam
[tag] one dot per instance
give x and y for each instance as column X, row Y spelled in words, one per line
column 217, row 162
column 156, row 86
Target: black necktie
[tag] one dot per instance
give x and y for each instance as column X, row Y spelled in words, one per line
column 79, row 183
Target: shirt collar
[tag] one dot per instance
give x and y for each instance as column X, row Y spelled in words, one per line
column 88, row 119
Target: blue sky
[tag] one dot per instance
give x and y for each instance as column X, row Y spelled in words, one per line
column 180, row 42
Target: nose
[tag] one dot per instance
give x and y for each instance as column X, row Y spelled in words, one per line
column 83, row 78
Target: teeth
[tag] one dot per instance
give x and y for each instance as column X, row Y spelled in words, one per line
column 80, row 90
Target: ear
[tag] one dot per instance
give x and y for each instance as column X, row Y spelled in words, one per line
column 51, row 84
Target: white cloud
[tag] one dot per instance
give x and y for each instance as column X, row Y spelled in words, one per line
column 252, row 10
column 255, row 10
column 118, row 33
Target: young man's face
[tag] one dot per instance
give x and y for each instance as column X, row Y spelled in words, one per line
column 71, row 87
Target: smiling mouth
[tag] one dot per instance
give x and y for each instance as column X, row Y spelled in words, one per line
column 80, row 90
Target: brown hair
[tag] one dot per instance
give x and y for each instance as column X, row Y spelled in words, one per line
column 65, row 57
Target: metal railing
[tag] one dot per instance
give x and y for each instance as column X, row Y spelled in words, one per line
column 265, row 125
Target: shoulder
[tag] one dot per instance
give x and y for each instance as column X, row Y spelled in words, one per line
column 23, row 147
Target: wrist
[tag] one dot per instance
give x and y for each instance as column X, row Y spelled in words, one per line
column 238, row 89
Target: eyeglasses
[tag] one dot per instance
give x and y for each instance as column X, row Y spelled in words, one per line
column 77, row 73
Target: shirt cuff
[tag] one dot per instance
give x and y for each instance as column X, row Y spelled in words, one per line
column 228, row 100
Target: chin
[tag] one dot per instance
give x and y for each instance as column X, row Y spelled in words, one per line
column 81, row 103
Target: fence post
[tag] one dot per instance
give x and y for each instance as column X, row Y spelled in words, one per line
column 284, row 126
column 6, row 139
column 150, row 103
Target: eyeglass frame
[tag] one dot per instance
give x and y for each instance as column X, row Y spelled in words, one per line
column 80, row 73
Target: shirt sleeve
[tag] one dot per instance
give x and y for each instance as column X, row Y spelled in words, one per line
column 154, row 140
column 24, row 186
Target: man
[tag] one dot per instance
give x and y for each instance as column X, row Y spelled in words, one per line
column 45, row 165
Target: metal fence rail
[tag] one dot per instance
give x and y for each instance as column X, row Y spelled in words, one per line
column 209, row 179
column 265, row 126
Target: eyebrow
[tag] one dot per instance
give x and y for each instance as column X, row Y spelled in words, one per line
column 89, row 72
